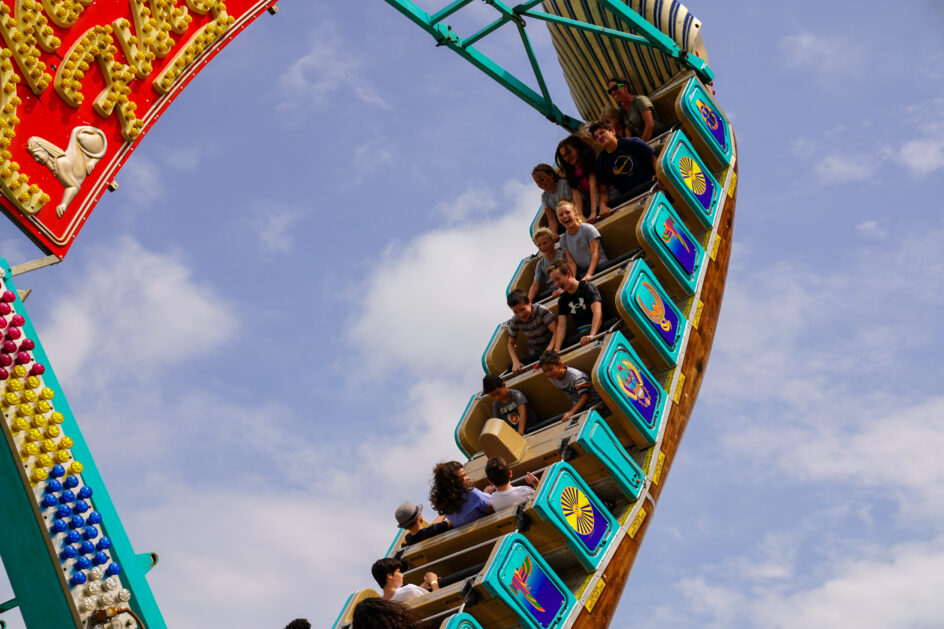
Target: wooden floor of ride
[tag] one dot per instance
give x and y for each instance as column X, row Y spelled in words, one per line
column 617, row 571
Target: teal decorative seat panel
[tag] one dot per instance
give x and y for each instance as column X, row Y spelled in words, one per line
column 524, row 581
column 669, row 239
column 598, row 439
column 706, row 120
column 627, row 383
column 655, row 316
column 696, row 189
column 565, row 500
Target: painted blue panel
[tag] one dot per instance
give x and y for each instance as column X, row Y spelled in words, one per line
column 629, row 384
column 645, row 300
column 462, row 621
column 523, row 580
column 706, row 117
column 699, row 189
column 597, row 439
column 667, row 235
column 568, row 502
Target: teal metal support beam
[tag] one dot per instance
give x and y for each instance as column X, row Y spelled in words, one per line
column 445, row 36
column 494, row 26
column 534, row 65
column 658, row 39
column 593, row 28
column 7, row 606
column 439, row 16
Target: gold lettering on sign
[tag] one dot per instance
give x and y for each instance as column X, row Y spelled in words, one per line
column 31, row 20
column 153, row 24
column 15, row 185
column 197, row 43
column 65, row 12
column 22, row 47
column 98, row 43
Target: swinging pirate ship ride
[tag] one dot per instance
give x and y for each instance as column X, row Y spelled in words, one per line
column 562, row 559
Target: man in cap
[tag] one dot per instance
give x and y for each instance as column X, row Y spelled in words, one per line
column 410, row 517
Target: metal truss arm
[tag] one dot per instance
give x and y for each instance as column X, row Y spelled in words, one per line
column 444, row 36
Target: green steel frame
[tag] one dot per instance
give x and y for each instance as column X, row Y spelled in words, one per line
column 648, row 35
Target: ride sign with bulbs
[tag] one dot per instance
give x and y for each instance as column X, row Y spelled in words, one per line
column 81, row 82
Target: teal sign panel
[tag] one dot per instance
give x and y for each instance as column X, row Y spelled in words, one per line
column 567, row 502
column 707, row 119
column 687, row 173
column 598, row 439
column 462, row 621
column 629, row 384
column 672, row 242
column 87, row 547
column 521, row 578
column 650, row 307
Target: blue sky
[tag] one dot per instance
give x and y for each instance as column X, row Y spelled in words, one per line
column 270, row 330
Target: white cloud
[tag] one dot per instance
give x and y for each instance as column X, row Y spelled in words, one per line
column 131, row 311
column 838, row 168
column 276, row 227
column 327, row 71
column 475, row 202
column 140, row 181
column 870, row 229
column 923, row 156
column 437, row 298
column 823, row 54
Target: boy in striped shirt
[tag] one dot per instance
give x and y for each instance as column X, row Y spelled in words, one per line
column 536, row 322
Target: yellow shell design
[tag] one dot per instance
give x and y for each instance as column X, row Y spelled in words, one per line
column 577, row 510
column 693, row 176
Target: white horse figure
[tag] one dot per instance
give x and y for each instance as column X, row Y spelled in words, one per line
column 87, row 146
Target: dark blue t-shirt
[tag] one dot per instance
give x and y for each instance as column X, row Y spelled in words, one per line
column 628, row 166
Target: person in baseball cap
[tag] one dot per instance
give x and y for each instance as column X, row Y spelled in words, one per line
column 410, row 517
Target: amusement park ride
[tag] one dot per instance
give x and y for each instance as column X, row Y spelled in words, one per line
column 82, row 81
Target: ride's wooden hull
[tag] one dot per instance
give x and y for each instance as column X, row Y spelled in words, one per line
column 616, row 574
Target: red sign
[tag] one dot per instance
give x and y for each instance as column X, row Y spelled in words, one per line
column 81, row 82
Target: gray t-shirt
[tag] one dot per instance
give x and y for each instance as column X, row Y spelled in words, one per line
column 574, row 384
column 632, row 117
column 515, row 495
column 579, row 247
column 509, row 410
column 540, row 270
column 551, row 199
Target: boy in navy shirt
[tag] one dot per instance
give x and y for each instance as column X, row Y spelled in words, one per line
column 627, row 164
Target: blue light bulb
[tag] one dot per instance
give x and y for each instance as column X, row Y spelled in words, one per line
column 67, row 553
column 85, row 493
column 78, row 579
column 57, row 471
column 73, row 537
column 113, row 569
column 100, row 558
column 49, row 501
column 94, row 517
column 80, row 506
column 70, row 482
column 87, row 548
column 59, row 526
column 104, row 543
column 83, row 563
column 53, row 486
column 66, row 496
column 77, row 522
column 90, row 533
column 64, row 511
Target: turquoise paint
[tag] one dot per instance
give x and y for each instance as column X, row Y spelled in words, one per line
column 642, row 293
column 627, row 381
column 337, row 621
column 142, row 599
column 597, row 439
column 462, row 621
column 524, row 262
column 562, row 493
column 491, row 341
column 700, row 191
column 516, row 555
column 536, row 222
column 455, row 434
column 708, row 120
column 675, row 246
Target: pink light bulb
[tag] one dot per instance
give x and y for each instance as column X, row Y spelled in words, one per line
column 37, row 369
column 27, row 345
column 22, row 358
column 5, row 308
column 8, row 296
column 17, row 320
column 5, row 360
column 8, row 347
column 13, row 333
